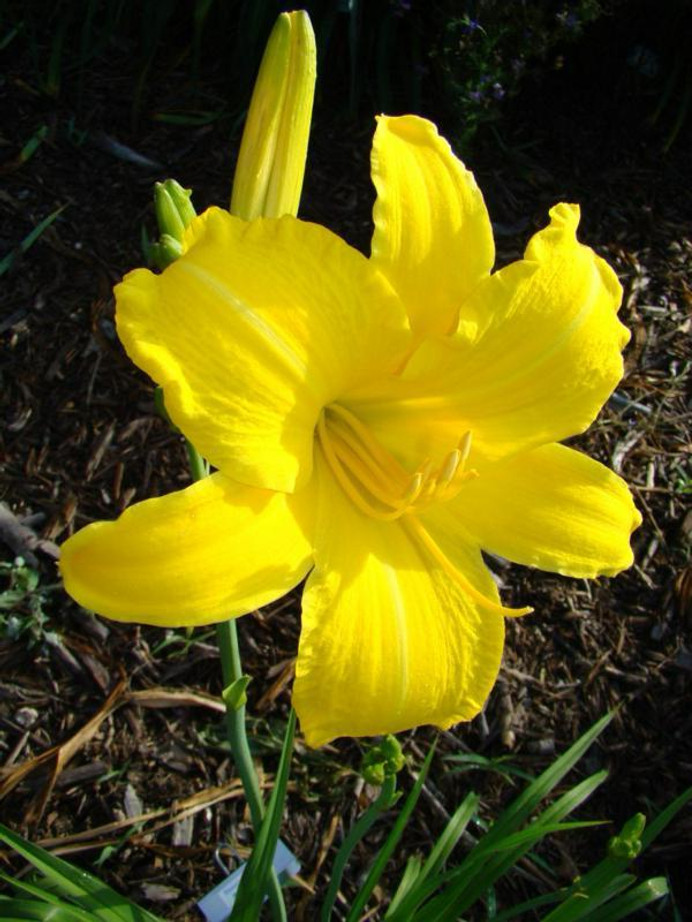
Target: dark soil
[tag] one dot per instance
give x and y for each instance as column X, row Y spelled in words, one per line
column 149, row 787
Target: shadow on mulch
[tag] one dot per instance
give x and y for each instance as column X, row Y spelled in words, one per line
column 149, row 787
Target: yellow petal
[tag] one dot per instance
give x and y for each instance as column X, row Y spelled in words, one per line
column 552, row 508
column 536, row 356
column 432, row 236
column 388, row 640
column 252, row 331
column 212, row 551
column 271, row 163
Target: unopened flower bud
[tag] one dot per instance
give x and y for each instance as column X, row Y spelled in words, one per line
column 384, row 758
column 271, row 163
column 165, row 251
column 174, row 209
column 628, row 843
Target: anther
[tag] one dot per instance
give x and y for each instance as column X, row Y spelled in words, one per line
column 449, row 468
column 465, row 447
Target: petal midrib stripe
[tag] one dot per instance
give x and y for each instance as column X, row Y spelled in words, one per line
column 278, row 346
column 442, row 401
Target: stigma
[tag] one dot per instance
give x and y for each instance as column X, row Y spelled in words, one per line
column 374, row 480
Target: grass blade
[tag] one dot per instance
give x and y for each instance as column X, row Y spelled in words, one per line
column 581, row 903
column 407, row 882
column 633, row 900
column 471, row 761
column 45, row 896
column 33, row 144
column 521, row 910
column 17, row 910
column 384, row 801
column 528, row 800
column 10, row 36
column 30, row 239
column 598, row 876
column 657, row 825
column 538, row 830
column 408, row 898
column 487, row 862
column 255, row 880
column 89, row 891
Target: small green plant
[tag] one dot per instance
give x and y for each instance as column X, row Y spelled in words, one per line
column 22, row 602
column 440, row 886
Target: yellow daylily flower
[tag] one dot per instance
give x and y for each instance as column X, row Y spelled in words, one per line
column 375, row 423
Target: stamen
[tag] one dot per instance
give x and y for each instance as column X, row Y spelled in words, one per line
column 386, row 472
column 449, row 488
column 345, row 482
column 369, row 442
column 413, row 490
column 355, row 463
column 373, row 479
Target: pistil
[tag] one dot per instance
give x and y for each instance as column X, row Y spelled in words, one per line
column 418, row 533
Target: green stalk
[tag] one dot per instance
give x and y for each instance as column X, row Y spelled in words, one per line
column 229, row 652
column 227, row 638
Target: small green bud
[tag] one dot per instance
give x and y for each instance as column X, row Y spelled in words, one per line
column 374, row 774
column 382, row 759
column 628, row 843
column 167, row 216
column 182, row 200
column 391, row 751
column 165, row 251
column 174, row 209
column 634, row 827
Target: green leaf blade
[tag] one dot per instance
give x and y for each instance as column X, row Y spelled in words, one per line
column 87, row 890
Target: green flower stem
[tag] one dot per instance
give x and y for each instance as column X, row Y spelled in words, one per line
column 229, row 652
column 361, row 828
column 227, row 638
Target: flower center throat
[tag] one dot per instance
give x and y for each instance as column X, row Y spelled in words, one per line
column 374, row 480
